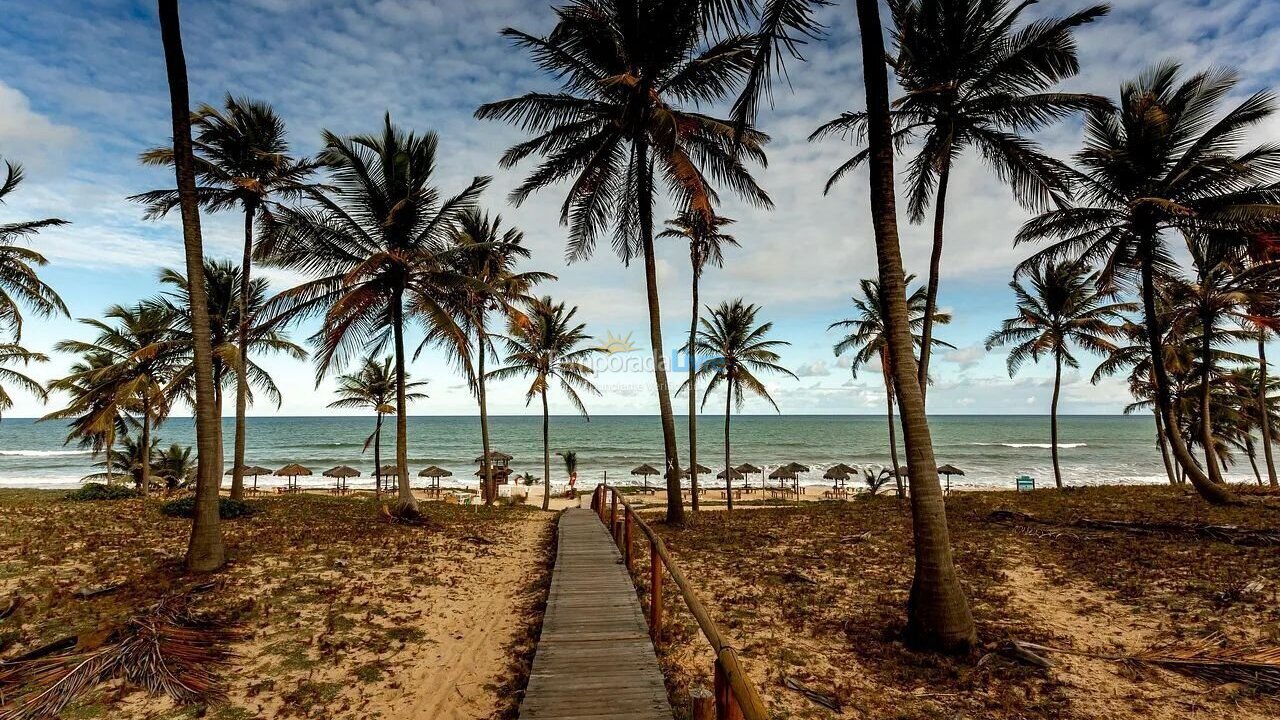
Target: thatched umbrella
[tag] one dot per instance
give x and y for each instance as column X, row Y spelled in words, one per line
column 386, row 471
column 646, row 470
column 749, row 469
column 435, row 473
column 796, row 468
column 837, row 474
column 783, row 474
column 340, row 475
column 949, row 470
column 254, row 470
column 292, row 471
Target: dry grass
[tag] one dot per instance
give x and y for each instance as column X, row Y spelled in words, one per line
column 344, row 611
column 817, row 594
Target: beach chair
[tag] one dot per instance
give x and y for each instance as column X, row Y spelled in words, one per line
column 1025, row 482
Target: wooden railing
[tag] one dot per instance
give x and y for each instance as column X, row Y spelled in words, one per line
column 734, row 697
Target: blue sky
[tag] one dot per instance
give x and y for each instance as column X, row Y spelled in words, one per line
column 82, row 92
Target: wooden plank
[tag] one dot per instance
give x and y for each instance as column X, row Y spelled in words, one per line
column 594, row 657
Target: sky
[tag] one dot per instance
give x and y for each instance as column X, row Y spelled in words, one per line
column 82, row 93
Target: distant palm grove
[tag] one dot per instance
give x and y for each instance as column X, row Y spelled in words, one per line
column 1153, row 252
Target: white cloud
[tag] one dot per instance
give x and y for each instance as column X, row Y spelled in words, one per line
column 966, row 357
column 817, row 368
column 28, row 137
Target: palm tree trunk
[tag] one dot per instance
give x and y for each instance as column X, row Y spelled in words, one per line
column 1252, row 452
column 1164, row 448
column 490, row 489
column 1206, row 397
column 935, row 269
column 937, row 612
column 406, row 505
column 1262, row 411
column 111, row 441
column 546, row 452
column 675, row 507
column 146, row 447
column 204, row 550
column 728, row 468
column 1053, row 418
column 242, row 379
column 893, row 431
column 1210, row 491
column 693, row 382
column 377, row 458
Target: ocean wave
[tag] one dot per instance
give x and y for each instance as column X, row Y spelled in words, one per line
column 43, row 453
column 1040, row 446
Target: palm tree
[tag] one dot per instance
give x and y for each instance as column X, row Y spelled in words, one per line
column 143, row 359
column 1257, row 407
column 373, row 386
column 174, row 466
column 204, row 551
column 222, row 282
column 1159, row 163
column 11, row 353
column 242, row 162
column 631, row 74
column 866, row 336
column 736, row 351
column 486, row 255
column 136, row 461
column 19, row 283
column 937, row 610
column 548, row 345
column 377, row 250
column 570, row 458
column 1063, row 306
column 95, row 418
column 973, row 80
column 706, row 247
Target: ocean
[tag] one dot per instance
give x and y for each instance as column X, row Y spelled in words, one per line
column 992, row 450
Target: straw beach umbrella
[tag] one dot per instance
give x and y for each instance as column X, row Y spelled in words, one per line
column 435, row 473
column 386, row 471
column 950, row 470
column 837, row 475
column 734, row 473
column 646, row 470
column 292, row 471
column 749, row 469
column 796, row 469
column 693, row 472
column 783, row 474
column 254, row 470
column 340, row 474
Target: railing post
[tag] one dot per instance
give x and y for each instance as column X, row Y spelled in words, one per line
column 613, row 515
column 726, row 704
column 703, row 702
column 627, row 545
column 604, row 495
column 655, row 591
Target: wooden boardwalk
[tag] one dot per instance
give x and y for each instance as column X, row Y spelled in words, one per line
column 594, row 657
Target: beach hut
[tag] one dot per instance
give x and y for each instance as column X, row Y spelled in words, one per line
column 340, row 475
column 291, row 473
column 435, row 473
column 749, row 469
column 645, row 470
column 501, row 468
column 948, row 471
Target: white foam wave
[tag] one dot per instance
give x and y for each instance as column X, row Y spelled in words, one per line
column 1041, row 446
column 43, row 453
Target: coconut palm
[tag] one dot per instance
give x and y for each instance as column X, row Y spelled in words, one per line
column 866, row 336
column 1163, row 161
column 136, row 461
column 143, row 359
column 377, row 251
column 736, row 352
column 204, row 551
column 222, row 283
column 706, row 247
column 1257, row 407
column 242, row 163
column 1265, row 248
column 373, row 387
column 486, row 255
column 19, row 282
column 973, row 80
column 175, row 466
column 1060, row 305
column 632, row 74
column 570, row 458
column 95, row 418
column 1216, row 310
column 547, row 344
column 11, row 353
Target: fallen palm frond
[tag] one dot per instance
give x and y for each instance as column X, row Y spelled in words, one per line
column 1231, row 534
column 1209, row 659
column 166, row 650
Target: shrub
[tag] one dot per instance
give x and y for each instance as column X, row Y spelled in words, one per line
column 98, row 491
column 227, row 508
